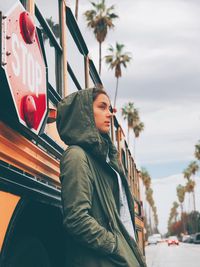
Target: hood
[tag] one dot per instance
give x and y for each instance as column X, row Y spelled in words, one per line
column 76, row 124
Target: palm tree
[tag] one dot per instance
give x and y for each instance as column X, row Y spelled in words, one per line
column 191, row 171
column 54, row 27
column 187, row 174
column 149, row 198
column 115, row 60
column 155, row 215
column 193, row 167
column 100, row 19
column 190, row 189
column 181, row 197
column 152, row 207
column 146, row 179
column 130, row 113
column 173, row 213
column 190, row 186
column 197, row 150
column 175, row 207
column 137, row 130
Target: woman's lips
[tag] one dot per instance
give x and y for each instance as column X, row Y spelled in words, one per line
column 107, row 122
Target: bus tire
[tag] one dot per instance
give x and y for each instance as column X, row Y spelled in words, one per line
column 29, row 252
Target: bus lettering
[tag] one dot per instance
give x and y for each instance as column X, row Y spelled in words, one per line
column 25, row 65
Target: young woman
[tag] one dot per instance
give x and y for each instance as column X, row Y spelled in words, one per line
column 97, row 204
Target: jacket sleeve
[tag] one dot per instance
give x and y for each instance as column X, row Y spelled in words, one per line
column 76, row 192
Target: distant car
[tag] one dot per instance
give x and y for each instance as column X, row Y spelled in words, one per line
column 152, row 240
column 197, row 238
column 158, row 237
column 186, row 238
column 173, row 240
column 191, row 238
column 194, row 238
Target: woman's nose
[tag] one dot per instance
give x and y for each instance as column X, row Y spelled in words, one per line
column 109, row 113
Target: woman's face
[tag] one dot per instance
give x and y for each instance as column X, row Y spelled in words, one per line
column 102, row 113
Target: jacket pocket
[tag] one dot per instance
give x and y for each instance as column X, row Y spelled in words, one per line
column 123, row 256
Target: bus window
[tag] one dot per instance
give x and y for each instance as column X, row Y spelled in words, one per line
column 76, row 62
column 50, row 10
column 72, row 85
column 50, row 30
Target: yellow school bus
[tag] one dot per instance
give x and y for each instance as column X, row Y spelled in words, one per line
column 38, row 40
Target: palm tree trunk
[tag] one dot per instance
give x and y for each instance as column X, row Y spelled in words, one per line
column 150, row 224
column 100, row 58
column 182, row 218
column 194, row 202
column 116, row 90
column 194, row 206
column 193, row 194
column 76, row 10
column 189, row 202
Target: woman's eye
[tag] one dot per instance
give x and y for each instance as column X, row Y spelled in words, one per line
column 102, row 107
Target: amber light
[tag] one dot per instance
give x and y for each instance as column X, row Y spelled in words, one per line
column 52, row 115
column 27, row 27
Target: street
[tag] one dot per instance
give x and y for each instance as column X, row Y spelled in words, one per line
column 184, row 255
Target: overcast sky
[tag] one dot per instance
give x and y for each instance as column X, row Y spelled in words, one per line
column 162, row 80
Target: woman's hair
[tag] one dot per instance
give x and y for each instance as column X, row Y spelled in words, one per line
column 97, row 92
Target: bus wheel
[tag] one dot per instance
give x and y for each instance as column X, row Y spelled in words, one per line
column 29, row 252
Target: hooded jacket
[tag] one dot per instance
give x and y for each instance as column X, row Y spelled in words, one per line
column 90, row 194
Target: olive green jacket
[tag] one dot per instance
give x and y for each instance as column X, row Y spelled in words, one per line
column 90, row 194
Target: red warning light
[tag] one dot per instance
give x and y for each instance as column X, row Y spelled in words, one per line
column 30, row 111
column 27, row 27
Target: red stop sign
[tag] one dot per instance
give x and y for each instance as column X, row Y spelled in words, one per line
column 25, row 68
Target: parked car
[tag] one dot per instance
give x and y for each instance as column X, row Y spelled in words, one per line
column 158, row 237
column 173, row 240
column 190, row 239
column 196, row 239
column 152, row 240
column 185, row 238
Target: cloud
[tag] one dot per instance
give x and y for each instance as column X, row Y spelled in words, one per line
column 170, row 132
